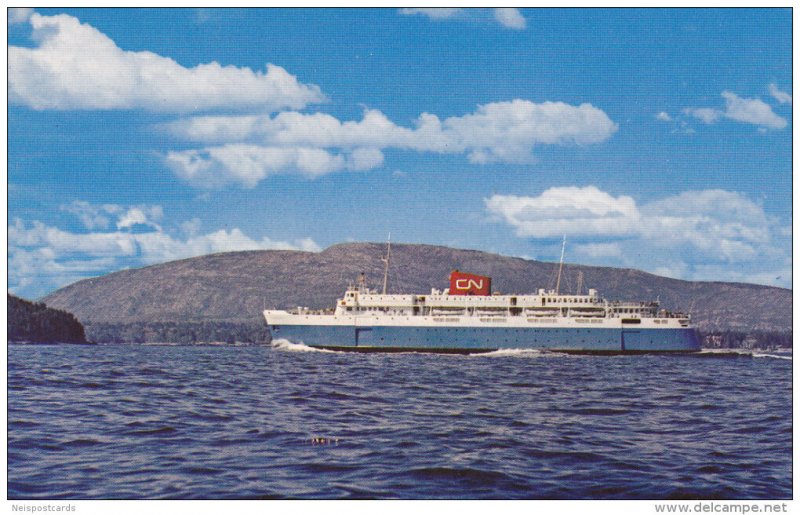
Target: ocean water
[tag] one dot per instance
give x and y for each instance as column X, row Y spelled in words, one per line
column 225, row 422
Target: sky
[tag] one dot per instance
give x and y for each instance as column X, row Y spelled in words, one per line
column 656, row 139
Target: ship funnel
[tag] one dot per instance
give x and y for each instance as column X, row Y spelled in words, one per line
column 462, row 283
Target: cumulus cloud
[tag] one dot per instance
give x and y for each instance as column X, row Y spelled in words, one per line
column 92, row 217
column 75, row 66
column 246, row 149
column 568, row 210
column 42, row 257
column 751, row 110
column 721, row 224
column 140, row 216
column 19, row 14
column 663, row 116
column 745, row 110
column 707, row 115
column 510, row 17
column 294, row 129
column 100, row 216
column 780, row 96
column 247, row 165
column 507, row 131
column 191, row 227
column 689, row 234
column 434, row 13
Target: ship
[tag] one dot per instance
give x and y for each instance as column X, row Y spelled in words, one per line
column 468, row 317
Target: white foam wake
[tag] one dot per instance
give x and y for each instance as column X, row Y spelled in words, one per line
column 724, row 351
column 774, row 356
column 520, row 353
column 746, row 352
column 287, row 346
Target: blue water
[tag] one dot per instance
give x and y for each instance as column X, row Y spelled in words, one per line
column 218, row 422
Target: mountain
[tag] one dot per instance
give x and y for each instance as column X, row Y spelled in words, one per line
column 36, row 323
column 199, row 293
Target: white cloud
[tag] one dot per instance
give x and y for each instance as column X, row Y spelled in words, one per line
column 510, row 17
column 780, row 96
column 19, row 14
column 690, row 235
column 42, row 257
column 100, row 216
column 296, row 129
column 250, row 148
column 92, row 217
column 721, row 224
column 751, row 110
column 434, row 13
column 745, row 110
column 507, row 131
column 707, row 115
column 191, row 227
column 569, row 210
column 365, row 159
column 663, row 116
column 35, row 272
column 247, row 165
column 75, row 66
column 140, row 216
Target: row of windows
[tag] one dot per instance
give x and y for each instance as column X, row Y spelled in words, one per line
column 480, row 298
column 394, row 311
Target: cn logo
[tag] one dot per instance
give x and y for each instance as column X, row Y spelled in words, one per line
column 469, row 284
column 466, row 284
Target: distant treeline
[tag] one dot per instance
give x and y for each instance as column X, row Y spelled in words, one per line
column 180, row 332
column 746, row 340
column 256, row 332
column 36, row 323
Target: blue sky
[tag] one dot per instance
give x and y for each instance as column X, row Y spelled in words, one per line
column 656, row 139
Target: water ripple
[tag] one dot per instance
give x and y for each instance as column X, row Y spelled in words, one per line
column 285, row 422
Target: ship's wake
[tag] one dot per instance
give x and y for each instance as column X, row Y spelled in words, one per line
column 745, row 353
column 287, row 346
column 773, row 356
column 518, row 353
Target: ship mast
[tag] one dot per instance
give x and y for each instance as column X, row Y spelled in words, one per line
column 561, row 264
column 386, row 263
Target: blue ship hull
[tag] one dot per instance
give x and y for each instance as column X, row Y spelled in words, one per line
column 472, row 340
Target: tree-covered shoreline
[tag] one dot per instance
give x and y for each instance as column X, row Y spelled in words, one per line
column 34, row 322
column 190, row 332
column 255, row 332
